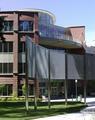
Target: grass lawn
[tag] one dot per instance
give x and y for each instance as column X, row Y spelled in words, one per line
column 16, row 110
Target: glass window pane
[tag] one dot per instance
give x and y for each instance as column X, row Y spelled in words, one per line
column 31, row 90
column 5, row 26
column 26, row 26
column 1, row 89
column 9, row 89
column 31, row 26
column 20, row 68
column 5, row 90
column 10, row 46
column 23, row 67
column 0, row 47
column 5, row 67
column 10, row 69
column 8, row 25
column 5, row 47
column 0, row 67
column 22, row 47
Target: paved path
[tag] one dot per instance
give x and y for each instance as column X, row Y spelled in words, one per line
column 86, row 114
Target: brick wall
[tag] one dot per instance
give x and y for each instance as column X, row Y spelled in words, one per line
column 78, row 33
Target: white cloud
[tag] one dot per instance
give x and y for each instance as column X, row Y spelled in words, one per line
column 90, row 38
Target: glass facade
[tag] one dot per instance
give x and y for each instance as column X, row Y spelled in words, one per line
column 8, row 26
column 48, row 29
column 26, row 26
column 51, row 31
column 45, row 19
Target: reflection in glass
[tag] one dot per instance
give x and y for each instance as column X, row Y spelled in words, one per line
column 45, row 19
column 8, row 25
column 26, row 26
column 51, row 31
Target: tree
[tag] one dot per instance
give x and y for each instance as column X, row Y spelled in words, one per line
column 23, row 89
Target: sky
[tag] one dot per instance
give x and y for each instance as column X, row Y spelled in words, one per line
column 67, row 12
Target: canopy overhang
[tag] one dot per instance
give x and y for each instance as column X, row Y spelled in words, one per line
column 66, row 44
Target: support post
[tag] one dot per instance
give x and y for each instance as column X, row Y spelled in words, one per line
column 35, row 83
column 85, row 79
column 49, row 88
column 76, row 88
column 65, row 85
column 65, row 81
column 85, row 92
column 26, row 81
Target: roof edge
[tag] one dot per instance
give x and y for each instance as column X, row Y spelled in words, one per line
column 38, row 10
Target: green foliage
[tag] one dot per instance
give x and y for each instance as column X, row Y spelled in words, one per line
column 18, row 99
column 14, row 94
column 2, row 86
column 54, row 83
column 17, row 111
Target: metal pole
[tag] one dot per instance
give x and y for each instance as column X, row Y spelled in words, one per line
column 26, row 80
column 65, row 81
column 35, row 83
column 85, row 92
column 85, row 79
column 76, row 88
column 49, row 91
column 65, row 86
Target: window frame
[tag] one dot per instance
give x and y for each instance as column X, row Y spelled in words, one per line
column 6, row 68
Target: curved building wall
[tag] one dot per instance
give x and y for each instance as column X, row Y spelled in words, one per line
column 45, row 19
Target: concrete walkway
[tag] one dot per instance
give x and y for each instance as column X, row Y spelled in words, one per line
column 86, row 114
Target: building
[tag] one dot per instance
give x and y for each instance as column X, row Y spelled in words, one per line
column 40, row 26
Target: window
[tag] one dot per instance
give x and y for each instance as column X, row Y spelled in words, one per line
column 6, row 46
column 21, row 68
column 51, row 31
column 22, row 47
column 8, row 25
column 6, row 68
column 10, row 68
column 1, row 68
column 30, row 90
column 43, row 88
column 26, row 26
column 5, row 89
